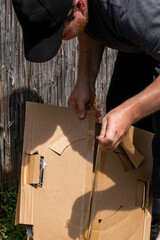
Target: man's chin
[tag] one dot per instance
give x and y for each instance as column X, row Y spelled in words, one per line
column 70, row 36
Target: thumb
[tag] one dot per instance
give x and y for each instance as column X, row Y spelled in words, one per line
column 103, row 129
column 81, row 110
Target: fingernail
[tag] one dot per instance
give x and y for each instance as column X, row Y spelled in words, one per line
column 81, row 115
column 99, row 137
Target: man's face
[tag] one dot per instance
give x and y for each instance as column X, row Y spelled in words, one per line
column 75, row 27
column 70, row 30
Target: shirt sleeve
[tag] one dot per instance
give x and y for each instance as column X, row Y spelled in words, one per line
column 140, row 24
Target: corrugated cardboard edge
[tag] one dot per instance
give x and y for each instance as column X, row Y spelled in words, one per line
column 24, row 209
column 147, row 220
column 92, row 203
column 90, row 146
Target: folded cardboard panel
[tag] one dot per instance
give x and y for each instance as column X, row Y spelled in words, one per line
column 59, row 194
column 57, row 136
column 120, row 206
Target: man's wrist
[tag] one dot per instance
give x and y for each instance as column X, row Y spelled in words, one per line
column 85, row 81
column 130, row 112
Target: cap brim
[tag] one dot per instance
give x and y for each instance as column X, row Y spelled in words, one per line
column 42, row 48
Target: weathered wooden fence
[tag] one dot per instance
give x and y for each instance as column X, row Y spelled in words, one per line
column 21, row 81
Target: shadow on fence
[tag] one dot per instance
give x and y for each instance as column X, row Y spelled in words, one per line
column 12, row 136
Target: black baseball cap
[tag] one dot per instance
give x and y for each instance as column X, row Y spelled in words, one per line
column 42, row 22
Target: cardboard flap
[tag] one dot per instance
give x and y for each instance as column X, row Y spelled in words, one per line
column 64, row 141
column 127, row 144
column 121, row 154
column 25, row 208
column 33, row 169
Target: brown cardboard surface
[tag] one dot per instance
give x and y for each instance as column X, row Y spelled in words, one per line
column 120, row 201
column 127, row 144
column 67, row 144
column 33, row 169
column 74, row 202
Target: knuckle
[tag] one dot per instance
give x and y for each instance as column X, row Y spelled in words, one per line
column 109, row 140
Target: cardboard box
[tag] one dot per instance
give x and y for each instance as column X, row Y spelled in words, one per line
column 121, row 202
column 66, row 143
column 65, row 194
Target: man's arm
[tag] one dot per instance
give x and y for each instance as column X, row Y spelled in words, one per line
column 83, row 94
column 116, row 123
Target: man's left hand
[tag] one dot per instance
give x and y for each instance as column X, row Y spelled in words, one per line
column 115, row 126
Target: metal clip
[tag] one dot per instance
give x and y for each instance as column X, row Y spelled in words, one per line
column 43, row 164
column 29, row 232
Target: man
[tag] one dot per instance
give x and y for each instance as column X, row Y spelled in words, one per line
column 133, row 28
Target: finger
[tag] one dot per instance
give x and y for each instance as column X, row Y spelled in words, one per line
column 107, row 147
column 72, row 104
column 107, row 141
column 103, row 129
column 103, row 148
column 81, row 110
column 98, row 115
column 91, row 107
column 113, row 145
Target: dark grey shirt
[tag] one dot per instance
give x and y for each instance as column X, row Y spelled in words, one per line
column 126, row 25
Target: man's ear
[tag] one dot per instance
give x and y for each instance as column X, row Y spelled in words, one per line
column 80, row 7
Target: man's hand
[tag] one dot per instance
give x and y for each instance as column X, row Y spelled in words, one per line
column 82, row 98
column 83, row 95
column 116, row 123
column 115, row 126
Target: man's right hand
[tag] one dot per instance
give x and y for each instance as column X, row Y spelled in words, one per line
column 83, row 95
column 82, row 98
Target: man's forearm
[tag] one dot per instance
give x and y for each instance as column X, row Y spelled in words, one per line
column 144, row 103
column 89, row 59
column 116, row 123
column 83, row 94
